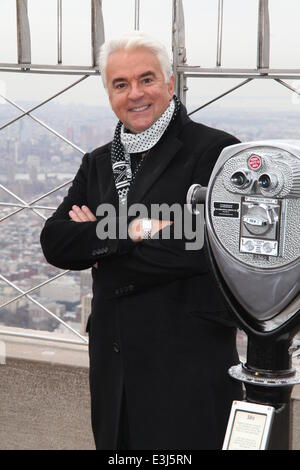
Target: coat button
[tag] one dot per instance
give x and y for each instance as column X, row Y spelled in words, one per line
column 116, row 347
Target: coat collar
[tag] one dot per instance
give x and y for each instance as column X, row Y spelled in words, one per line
column 156, row 162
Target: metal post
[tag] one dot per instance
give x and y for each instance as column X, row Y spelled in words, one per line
column 137, row 15
column 179, row 50
column 263, row 38
column 23, row 32
column 59, row 31
column 269, row 360
column 97, row 28
column 220, row 33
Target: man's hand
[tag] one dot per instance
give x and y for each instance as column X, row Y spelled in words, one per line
column 82, row 214
column 135, row 230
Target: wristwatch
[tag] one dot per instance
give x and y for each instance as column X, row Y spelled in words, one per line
column 146, row 228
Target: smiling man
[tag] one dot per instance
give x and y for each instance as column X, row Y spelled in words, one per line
column 160, row 338
column 137, row 96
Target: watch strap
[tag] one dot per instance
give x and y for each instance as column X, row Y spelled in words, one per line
column 146, row 228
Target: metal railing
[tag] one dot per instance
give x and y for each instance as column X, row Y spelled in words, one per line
column 262, row 71
column 24, row 42
column 182, row 72
column 24, row 65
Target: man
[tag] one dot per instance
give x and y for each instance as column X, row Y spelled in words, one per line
column 161, row 341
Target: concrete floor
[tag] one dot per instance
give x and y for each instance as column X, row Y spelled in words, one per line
column 44, row 406
column 45, row 403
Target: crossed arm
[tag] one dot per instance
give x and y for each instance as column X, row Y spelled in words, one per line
column 84, row 214
column 69, row 240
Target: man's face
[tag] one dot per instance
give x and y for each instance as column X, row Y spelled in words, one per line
column 137, row 90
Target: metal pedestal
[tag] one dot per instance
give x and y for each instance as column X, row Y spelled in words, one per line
column 269, row 380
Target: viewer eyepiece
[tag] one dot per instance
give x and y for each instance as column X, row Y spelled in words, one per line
column 240, row 179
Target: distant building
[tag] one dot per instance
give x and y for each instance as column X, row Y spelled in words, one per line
column 40, row 320
column 64, row 290
column 85, row 311
column 85, row 282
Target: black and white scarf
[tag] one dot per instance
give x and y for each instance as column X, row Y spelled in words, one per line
column 125, row 143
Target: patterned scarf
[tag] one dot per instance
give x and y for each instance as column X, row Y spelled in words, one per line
column 125, row 143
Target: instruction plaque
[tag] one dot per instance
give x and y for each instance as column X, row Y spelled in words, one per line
column 249, row 426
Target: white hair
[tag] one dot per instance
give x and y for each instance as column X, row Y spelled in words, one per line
column 135, row 40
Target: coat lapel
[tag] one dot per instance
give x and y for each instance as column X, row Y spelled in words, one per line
column 158, row 159
column 105, row 179
column 153, row 166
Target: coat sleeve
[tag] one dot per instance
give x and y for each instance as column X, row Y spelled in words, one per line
column 73, row 245
column 158, row 261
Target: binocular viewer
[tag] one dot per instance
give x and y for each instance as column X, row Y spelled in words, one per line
column 252, row 231
column 252, row 207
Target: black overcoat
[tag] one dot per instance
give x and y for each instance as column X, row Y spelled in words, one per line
column 158, row 327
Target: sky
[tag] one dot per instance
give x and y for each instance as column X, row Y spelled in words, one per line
column 239, row 45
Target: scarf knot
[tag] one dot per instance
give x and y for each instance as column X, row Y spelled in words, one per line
column 125, row 143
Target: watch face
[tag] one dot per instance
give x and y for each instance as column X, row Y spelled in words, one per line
column 146, row 227
column 147, row 224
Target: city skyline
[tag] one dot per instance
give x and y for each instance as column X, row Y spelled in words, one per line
column 39, row 162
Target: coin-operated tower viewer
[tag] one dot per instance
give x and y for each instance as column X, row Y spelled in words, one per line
column 252, row 212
